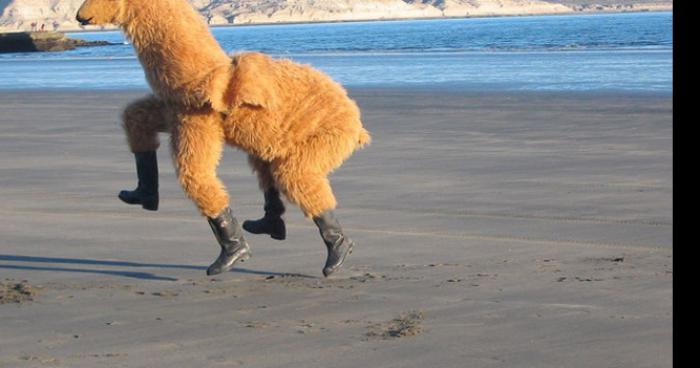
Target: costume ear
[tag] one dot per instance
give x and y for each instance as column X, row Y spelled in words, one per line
column 253, row 82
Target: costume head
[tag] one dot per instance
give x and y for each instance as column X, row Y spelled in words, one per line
column 101, row 12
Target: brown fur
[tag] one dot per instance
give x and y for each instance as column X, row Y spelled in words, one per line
column 142, row 120
column 296, row 123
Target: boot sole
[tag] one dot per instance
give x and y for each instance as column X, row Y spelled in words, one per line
column 342, row 261
column 241, row 258
column 244, row 257
column 149, row 204
column 276, row 236
column 273, row 236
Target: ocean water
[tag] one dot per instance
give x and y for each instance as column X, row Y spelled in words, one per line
column 602, row 52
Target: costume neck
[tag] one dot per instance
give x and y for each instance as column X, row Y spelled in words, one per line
column 173, row 44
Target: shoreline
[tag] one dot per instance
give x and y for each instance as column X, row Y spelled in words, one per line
column 582, row 13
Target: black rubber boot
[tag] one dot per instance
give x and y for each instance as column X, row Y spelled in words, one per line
column 230, row 237
column 339, row 245
column 146, row 193
column 272, row 223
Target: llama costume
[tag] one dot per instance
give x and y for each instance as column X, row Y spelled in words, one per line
column 295, row 123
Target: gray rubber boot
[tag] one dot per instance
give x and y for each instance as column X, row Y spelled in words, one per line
column 272, row 223
column 230, row 237
column 146, row 193
column 337, row 243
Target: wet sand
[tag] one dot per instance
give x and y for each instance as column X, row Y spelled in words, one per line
column 493, row 230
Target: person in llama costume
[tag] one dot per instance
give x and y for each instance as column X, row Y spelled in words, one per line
column 296, row 124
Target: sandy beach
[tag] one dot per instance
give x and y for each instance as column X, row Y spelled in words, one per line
column 493, row 230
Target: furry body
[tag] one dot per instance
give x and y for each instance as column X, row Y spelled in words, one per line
column 296, row 124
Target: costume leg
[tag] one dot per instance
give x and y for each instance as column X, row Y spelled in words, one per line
column 197, row 144
column 142, row 120
column 303, row 175
column 271, row 223
column 262, row 170
column 308, row 189
column 312, row 192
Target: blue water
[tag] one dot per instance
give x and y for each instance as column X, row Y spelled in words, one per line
column 606, row 52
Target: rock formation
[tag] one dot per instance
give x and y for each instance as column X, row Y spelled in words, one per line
column 41, row 41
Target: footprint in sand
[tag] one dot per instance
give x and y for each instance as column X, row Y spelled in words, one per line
column 405, row 325
column 17, row 292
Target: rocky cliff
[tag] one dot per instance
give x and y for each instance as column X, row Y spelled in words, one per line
column 16, row 15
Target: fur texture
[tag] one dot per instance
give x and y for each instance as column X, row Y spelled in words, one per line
column 143, row 119
column 296, row 124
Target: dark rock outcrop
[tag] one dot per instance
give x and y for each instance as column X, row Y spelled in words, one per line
column 42, row 41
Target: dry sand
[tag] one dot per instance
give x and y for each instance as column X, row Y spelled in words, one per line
column 493, row 230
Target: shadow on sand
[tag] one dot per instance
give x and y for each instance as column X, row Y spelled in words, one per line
column 96, row 262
